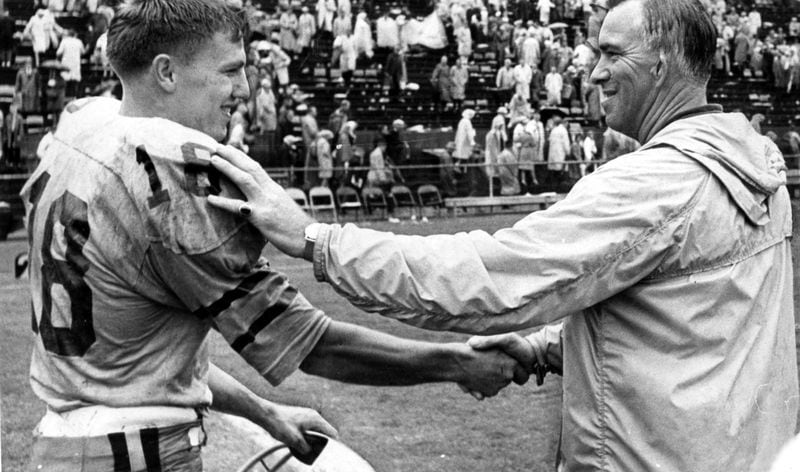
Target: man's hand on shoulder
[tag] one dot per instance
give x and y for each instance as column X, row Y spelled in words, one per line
column 268, row 207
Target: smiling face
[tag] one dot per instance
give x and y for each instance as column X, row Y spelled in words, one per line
column 209, row 85
column 626, row 69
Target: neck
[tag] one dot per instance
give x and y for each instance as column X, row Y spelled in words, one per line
column 140, row 102
column 679, row 98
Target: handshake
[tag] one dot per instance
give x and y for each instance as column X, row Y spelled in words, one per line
column 497, row 360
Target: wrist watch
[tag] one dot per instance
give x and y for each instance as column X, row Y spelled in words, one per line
column 311, row 233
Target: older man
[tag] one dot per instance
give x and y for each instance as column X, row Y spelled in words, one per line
column 669, row 267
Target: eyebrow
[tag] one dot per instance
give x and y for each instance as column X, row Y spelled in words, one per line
column 608, row 47
column 234, row 64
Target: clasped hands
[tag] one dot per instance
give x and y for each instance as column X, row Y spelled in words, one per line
column 510, row 354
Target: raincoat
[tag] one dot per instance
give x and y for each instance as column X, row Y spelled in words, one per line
column 671, row 268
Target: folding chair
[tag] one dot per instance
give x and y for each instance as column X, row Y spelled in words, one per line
column 404, row 199
column 320, row 199
column 428, row 196
column 374, row 199
column 347, row 199
column 299, row 196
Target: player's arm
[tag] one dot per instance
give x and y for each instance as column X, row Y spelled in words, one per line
column 285, row 423
column 354, row 354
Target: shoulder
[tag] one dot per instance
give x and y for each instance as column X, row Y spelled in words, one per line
column 172, row 180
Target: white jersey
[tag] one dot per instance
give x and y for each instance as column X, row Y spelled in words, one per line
column 130, row 268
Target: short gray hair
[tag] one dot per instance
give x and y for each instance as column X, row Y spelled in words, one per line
column 684, row 31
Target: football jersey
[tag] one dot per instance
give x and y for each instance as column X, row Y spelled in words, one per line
column 130, row 267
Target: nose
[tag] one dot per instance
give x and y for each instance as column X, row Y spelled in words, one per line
column 241, row 89
column 600, row 72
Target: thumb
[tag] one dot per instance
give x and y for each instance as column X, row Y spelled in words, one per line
column 322, row 426
column 480, row 343
column 510, row 343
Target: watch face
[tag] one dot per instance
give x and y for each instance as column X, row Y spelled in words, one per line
column 311, row 232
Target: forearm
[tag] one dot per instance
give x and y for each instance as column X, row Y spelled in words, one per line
column 287, row 424
column 410, row 278
column 353, row 354
column 231, row 397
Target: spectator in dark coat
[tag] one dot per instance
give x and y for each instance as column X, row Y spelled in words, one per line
column 8, row 44
column 12, row 136
column 395, row 72
column 440, row 79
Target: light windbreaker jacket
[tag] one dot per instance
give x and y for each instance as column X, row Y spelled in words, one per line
column 671, row 270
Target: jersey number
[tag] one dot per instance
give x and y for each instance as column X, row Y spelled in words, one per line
column 70, row 215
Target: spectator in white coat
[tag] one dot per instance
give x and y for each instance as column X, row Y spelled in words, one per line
column 558, row 148
column 544, row 7
column 523, row 74
column 388, row 32
column 465, row 138
column 531, row 49
column 69, row 52
column 553, row 84
column 362, row 35
column 325, row 12
column 306, row 29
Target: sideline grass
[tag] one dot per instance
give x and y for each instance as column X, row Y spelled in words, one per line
column 421, row 429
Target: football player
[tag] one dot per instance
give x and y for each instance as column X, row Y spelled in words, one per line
column 130, row 267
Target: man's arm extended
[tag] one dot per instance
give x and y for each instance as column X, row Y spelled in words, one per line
column 285, row 423
column 353, row 354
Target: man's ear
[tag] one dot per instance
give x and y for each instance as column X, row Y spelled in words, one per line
column 163, row 70
column 659, row 70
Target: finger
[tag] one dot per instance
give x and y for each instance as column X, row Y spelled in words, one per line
column 236, row 174
column 298, row 443
column 521, row 375
column 241, row 178
column 322, row 426
column 478, row 395
column 237, row 158
column 231, row 205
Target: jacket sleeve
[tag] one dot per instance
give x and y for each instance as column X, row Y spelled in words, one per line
column 611, row 231
column 548, row 346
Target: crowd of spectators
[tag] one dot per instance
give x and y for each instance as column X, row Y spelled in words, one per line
column 748, row 47
column 539, row 47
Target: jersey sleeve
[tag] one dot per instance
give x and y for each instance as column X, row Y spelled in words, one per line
column 210, row 260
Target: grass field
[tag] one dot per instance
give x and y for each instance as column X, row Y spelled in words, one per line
column 420, row 429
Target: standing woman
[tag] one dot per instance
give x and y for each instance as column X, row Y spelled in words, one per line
column 344, row 150
column 345, row 46
column 325, row 10
column 526, row 146
column 459, row 76
column 306, row 29
column 363, row 36
column 267, row 115
column 324, row 157
column 465, row 138
column 495, row 143
column 288, row 23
